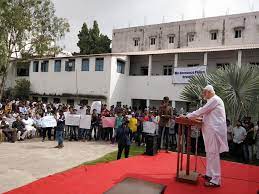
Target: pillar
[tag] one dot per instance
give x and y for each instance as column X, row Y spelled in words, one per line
column 149, row 65
column 205, row 59
column 239, row 58
column 176, row 60
column 147, row 103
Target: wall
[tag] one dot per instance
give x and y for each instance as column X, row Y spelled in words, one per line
column 118, row 82
column 123, row 39
column 67, row 82
column 154, row 88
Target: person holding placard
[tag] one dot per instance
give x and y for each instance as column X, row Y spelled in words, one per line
column 94, row 125
column 73, row 129
column 47, row 129
column 60, row 129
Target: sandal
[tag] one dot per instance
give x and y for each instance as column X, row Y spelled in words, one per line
column 210, row 184
column 206, row 177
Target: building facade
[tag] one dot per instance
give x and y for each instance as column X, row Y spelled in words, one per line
column 139, row 70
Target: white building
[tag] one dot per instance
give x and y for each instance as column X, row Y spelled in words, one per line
column 139, row 71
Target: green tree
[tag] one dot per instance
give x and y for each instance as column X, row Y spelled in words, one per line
column 238, row 88
column 28, row 28
column 91, row 41
column 22, row 89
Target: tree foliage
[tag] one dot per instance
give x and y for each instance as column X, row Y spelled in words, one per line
column 22, row 89
column 28, row 28
column 238, row 88
column 91, row 41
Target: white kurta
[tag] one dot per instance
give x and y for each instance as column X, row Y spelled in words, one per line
column 214, row 127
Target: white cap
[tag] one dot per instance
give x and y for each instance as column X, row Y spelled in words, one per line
column 209, row 88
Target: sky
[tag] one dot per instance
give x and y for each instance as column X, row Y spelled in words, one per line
column 113, row 14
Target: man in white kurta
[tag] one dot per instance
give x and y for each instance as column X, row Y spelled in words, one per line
column 214, row 132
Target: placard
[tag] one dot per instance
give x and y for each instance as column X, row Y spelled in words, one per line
column 96, row 105
column 149, row 127
column 108, row 122
column 48, row 121
column 129, row 117
column 72, row 120
column 85, row 121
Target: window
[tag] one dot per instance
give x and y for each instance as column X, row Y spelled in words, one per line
column 99, row 64
column 152, row 41
column 44, row 99
column 70, row 65
column 144, row 70
column 167, row 69
column 120, row 66
column 193, row 65
column 44, row 66
column 56, row 100
column 214, row 35
column 85, row 65
column 190, row 37
column 171, row 39
column 254, row 63
column 136, row 42
column 70, row 102
column 84, row 102
column 57, row 66
column 22, row 70
column 238, row 33
column 35, row 66
column 222, row 65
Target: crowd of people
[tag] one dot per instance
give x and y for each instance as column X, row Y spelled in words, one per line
column 20, row 120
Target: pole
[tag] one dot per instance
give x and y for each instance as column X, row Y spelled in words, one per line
column 188, row 150
column 196, row 150
column 178, row 149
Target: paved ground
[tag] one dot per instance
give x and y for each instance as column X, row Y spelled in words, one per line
column 24, row 162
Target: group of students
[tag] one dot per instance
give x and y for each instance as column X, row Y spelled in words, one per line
column 243, row 140
column 21, row 119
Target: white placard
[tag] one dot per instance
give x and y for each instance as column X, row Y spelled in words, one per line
column 48, row 121
column 85, row 121
column 182, row 75
column 149, row 127
column 72, row 120
column 96, row 105
column 129, row 117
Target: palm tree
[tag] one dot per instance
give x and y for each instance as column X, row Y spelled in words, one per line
column 192, row 92
column 237, row 86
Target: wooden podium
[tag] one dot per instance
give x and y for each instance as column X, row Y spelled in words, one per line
column 186, row 175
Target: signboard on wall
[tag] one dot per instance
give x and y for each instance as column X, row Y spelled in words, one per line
column 182, row 75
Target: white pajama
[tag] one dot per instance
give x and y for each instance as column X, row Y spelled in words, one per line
column 25, row 133
column 213, row 168
column 214, row 130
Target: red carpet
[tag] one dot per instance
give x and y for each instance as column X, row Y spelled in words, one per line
column 237, row 178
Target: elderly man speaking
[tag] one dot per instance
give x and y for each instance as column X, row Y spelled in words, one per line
column 214, row 132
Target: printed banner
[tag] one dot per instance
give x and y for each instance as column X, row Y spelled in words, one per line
column 149, row 127
column 182, row 75
column 108, row 122
column 72, row 120
column 85, row 121
column 96, row 105
column 48, row 121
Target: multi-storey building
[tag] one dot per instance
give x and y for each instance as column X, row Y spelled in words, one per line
column 139, row 70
